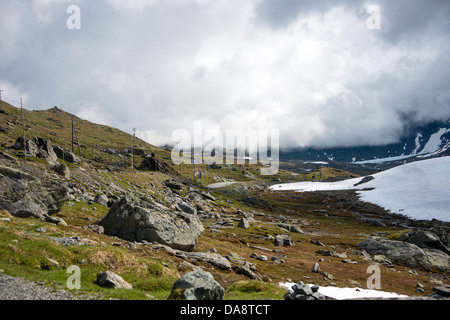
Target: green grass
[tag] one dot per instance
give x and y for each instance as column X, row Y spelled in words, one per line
column 254, row 290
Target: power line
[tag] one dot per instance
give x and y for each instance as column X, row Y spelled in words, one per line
column 18, row 102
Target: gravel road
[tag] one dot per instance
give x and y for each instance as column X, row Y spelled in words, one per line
column 15, row 288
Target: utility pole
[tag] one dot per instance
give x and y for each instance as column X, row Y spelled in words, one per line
column 132, row 150
column 72, row 132
column 23, row 127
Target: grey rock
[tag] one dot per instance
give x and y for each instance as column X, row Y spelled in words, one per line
column 249, row 273
column 235, row 258
column 152, row 163
column 63, row 170
column 109, row 279
column 442, row 290
column 101, row 199
column 379, row 258
column 301, row 291
column 197, row 285
column 290, row 227
column 316, row 268
column 66, row 155
column 243, row 223
column 208, row 257
column 187, row 208
column 37, row 147
column 137, row 218
column 424, row 239
column 331, row 253
column 283, row 240
column 407, row 254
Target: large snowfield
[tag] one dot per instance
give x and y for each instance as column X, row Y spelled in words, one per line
column 419, row 190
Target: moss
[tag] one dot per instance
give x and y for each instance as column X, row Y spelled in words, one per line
column 254, row 290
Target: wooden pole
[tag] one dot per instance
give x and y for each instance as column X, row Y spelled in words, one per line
column 23, row 127
column 78, row 143
column 132, row 150
column 72, row 133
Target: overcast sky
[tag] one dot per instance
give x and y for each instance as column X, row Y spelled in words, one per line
column 317, row 70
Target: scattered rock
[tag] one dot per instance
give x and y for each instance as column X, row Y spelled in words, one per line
column 379, row 258
column 66, row 155
column 31, row 195
column 245, row 270
column 197, row 285
column 243, row 223
column 63, row 170
column 208, row 257
column 109, row 279
column 137, row 218
column 316, row 268
column 424, row 239
column 442, row 290
column 152, row 163
column 101, row 199
column 235, row 258
column 407, row 254
column 53, row 262
column 301, row 291
column 187, row 208
column 283, row 240
column 331, row 253
column 349, row 261
column 171, row 184
column 37, row 147
column 364, row 180
column 290, row 228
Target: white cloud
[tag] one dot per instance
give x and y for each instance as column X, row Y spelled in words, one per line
column 314, row 71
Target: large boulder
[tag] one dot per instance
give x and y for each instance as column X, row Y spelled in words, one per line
column 37, row 147
column 137, row 218
column 407, row 254
column 197, row 285
column 424, row 239
column 66, row 155
column 36, row 194
column 152, row 163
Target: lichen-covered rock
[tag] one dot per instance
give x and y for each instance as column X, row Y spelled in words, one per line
column 197, row 285
column 31, row 194
column 137, row 218
column 407, row 254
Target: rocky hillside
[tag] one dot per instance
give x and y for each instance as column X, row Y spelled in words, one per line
column 140, row 228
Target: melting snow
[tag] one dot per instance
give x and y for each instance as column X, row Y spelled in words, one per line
column 419, row 190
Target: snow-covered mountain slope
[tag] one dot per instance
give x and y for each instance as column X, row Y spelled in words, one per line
column 419, row 190
column 421, row 142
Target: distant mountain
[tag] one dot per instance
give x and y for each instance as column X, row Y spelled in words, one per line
column 421, row 142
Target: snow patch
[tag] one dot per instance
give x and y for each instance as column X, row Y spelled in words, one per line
column 418, row 189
